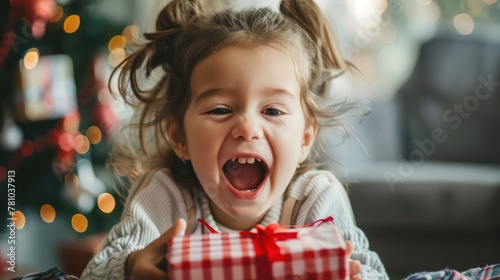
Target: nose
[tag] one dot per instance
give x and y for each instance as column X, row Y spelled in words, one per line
column 247, row 128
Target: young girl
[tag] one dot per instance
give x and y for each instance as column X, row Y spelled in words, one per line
column 234, row 117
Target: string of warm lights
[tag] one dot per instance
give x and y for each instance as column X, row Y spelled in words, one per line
column 71, row 24
column 426, row 10
column 69, row 138
column 81, row 145
column 71, row 143
column 117, row 44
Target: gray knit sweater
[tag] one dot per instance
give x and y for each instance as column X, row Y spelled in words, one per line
column 154, row 209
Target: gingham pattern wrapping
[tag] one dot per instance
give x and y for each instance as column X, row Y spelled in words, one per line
column 316, row 253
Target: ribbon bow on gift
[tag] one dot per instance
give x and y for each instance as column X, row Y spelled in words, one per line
column 265, row 238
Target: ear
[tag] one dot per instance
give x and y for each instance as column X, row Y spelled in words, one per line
column 310, row 133
column 177, row 140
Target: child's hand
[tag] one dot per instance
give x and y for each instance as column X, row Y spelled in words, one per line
column 150, row 262
column 355, row 266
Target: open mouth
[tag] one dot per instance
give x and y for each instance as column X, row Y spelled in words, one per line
column 245, row 173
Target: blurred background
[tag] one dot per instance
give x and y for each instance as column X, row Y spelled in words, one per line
column 421, row 154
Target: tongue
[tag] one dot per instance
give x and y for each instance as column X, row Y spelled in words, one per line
column 244, row 176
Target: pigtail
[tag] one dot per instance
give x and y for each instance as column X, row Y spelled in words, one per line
column 170, row 22
column 151, row 102
column 311, row 19
column 159, row 51
column 327, row 63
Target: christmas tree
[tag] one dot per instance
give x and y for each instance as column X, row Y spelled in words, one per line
column 58, row 116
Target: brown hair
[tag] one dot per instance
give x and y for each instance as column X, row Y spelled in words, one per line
column 185, row 36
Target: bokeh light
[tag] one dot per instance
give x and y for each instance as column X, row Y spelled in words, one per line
column 79, row 223
column 71, row 24
column 116, row 56
column 27, row 148
column 382, row 6
column 389, row 33
column 106, row 202
column 94, row 134
column 363, row 9
column 71, row 123
column 86, row 202
column 473, row 7
column 57, row 14
column 463, row 23
column 19, row 219
column 131, row 33
column 31, row 58
column 65, row 141
column 434, row 12
column 117, row 42
column 429, row 12
column 104, row 97
column 81, row 144
column 48, row 213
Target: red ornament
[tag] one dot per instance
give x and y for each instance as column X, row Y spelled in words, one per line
column 31, row 10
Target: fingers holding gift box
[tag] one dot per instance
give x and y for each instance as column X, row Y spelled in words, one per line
column 309, row 252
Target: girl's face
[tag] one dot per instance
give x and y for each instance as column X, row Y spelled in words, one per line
column 245, row 131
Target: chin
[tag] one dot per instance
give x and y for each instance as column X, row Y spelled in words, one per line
column 247, row 212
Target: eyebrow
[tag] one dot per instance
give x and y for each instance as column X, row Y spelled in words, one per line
column 206, row 94
column 216, row 91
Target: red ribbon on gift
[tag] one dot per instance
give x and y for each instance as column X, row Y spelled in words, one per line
column 320, row 222
column 265, row 239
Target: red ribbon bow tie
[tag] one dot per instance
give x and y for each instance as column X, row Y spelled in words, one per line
column 265, row 238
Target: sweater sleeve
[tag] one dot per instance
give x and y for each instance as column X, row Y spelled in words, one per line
column 325, row 196
column 109, row 263
column 152, row 211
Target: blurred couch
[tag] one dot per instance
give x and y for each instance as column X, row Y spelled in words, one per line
column 424, row 167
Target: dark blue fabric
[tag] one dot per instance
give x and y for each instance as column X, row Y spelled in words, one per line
column 51, row 274
column 490, row 272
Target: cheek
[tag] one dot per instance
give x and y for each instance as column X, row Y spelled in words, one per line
column 289, row 153
column 287, row 147
column 203, row 145
column 194, row 131
column 203, row 149
column 203, row 137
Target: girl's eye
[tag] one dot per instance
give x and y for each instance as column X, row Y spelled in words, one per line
column 219, row 111
column 272, row 112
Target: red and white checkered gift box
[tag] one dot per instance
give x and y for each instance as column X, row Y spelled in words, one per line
column 274, row 252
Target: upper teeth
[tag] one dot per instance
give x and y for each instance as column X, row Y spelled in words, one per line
column 243, row 160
